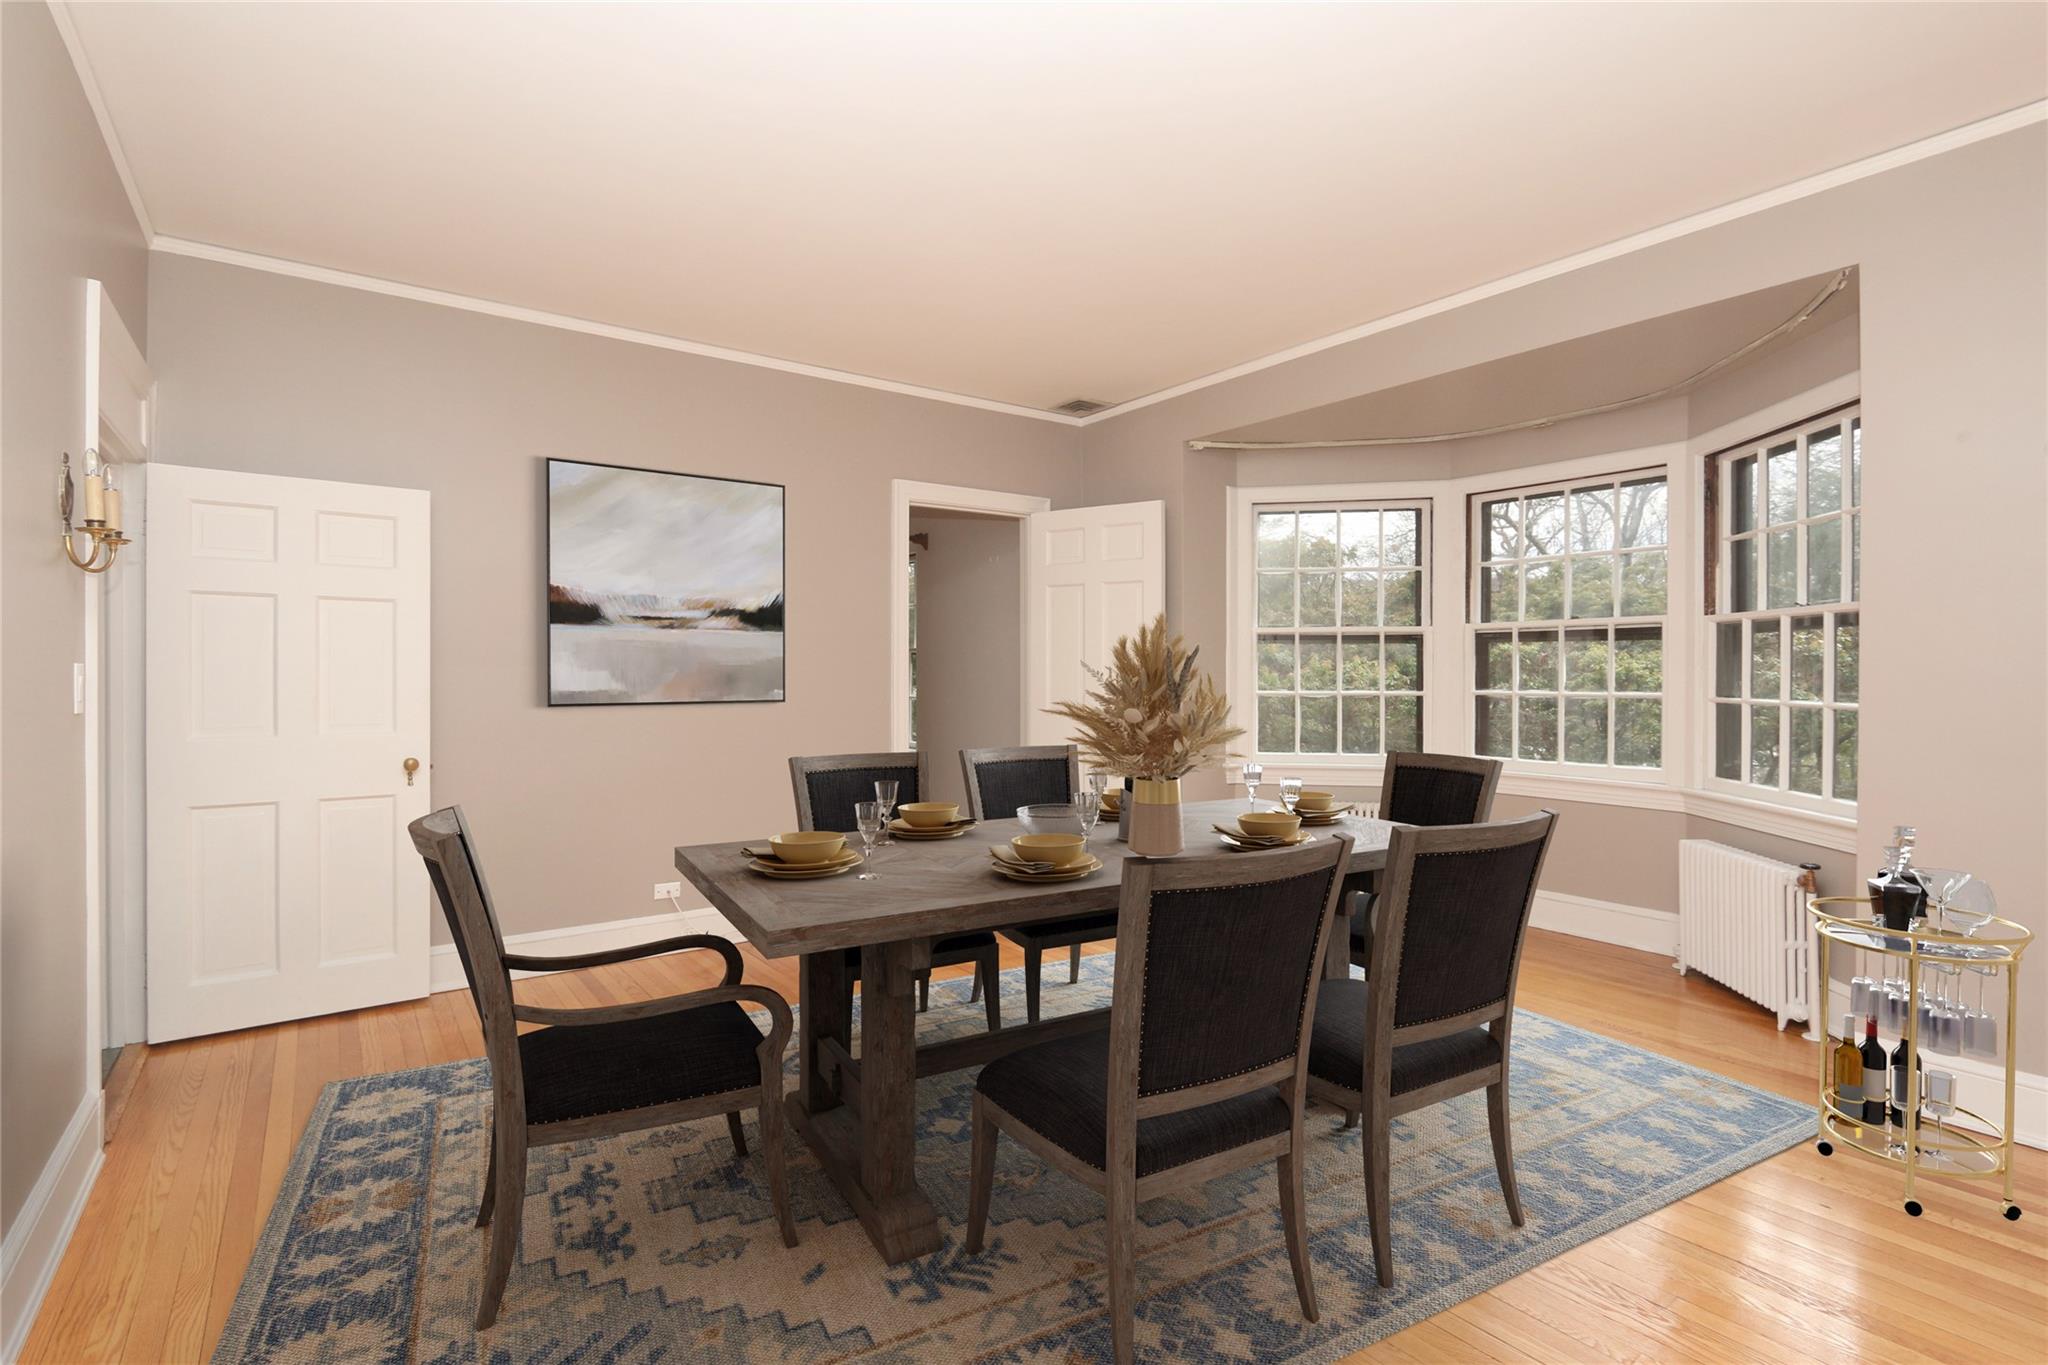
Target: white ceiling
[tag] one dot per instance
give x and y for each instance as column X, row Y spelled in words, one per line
column 1027, row 204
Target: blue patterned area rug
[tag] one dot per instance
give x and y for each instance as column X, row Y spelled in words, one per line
column 660, row 1246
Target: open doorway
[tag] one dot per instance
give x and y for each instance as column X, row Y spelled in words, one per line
column 957, row 656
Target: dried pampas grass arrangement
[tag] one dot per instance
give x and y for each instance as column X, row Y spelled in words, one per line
column 1150, row 714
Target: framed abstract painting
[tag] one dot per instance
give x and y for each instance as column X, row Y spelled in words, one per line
column 662, row 587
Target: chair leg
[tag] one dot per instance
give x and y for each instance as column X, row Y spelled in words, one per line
column 1073, row 963
column 510, row 1185
column 1378, row 1151
column 489, row 1200
column 739, row 1134
column 1350, row 1120
column 990, row 968
column 974, row 989
column 1033, row 960
column 775, row 1158
column 924, row 990
column 1122, row 1195
column 1293, row 1214
column 1503, row 1147
column 981, row 1176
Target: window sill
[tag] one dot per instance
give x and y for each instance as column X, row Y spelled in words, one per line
column 1821, row 829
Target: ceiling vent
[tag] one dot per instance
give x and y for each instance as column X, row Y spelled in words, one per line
column 1079, row 407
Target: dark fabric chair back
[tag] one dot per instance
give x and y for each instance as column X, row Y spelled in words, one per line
column 1452, row 919
column 444, row 844
column 1217, row 963
column 1000, row 780
column 829, row 786
column 1438, row 789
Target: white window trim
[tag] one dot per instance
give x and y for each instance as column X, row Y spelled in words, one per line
column 1448, row 668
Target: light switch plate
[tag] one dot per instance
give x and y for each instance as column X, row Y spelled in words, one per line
column 78, row 689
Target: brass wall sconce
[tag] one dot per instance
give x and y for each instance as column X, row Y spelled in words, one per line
column 102, row 521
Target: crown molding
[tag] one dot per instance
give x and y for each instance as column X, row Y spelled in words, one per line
column 1997, row 125
column 60, row 13
column 320, row 274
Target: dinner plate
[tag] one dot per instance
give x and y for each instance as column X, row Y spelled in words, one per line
column 1003, row 861
column 900, row 830
column 1242, row 844
column 797, row 872
column 1325, row 817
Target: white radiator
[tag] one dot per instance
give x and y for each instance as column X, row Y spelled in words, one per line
column 1742, row 921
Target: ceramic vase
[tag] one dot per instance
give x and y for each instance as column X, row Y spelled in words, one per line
column 1154, row 804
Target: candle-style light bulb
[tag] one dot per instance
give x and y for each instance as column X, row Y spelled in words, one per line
column 95, row 490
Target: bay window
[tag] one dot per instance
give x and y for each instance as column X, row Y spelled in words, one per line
column 1339, row 610
column 1788, row 572
column 1571, row 587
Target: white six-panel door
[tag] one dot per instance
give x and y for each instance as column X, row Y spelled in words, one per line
column 1091, row 574
column 287, row 685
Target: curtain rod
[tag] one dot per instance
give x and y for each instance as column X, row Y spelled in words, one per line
column 1834, row 287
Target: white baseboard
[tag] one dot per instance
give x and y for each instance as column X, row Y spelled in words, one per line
column 444, row 965
column 1627, row 926
column 1980, row 1085
column 35, row 1243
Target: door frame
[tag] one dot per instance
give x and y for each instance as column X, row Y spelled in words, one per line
column 905, row 494
column 117, row 421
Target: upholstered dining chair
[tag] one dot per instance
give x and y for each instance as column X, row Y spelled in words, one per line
column 599, row 1071
column 999, row 781
column 828, row 787
column 1435, row 1017
column 1421, row 789
column 1204, row 1067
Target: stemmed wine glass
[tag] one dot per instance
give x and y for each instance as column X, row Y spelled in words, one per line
column 1088, row 805
column 1290, row 792
column 868, row 816
column 1254, row 773
column 885, row 797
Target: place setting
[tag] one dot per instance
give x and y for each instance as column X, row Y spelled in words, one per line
column 1045, row 858
column 803, row 856
column 916, row 820
column 1257, row 829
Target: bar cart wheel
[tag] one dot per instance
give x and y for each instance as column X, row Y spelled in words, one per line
column 1824, row 1147
column 2012, row 1213
column 1913, row 1207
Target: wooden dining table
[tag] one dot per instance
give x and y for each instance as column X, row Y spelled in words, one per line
column 858, row 1113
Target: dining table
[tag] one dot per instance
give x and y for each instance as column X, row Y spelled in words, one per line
column 857, row 1112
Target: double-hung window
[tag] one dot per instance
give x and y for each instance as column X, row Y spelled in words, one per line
column 1788, row 573
column 1570, row 593
column 1341, row 602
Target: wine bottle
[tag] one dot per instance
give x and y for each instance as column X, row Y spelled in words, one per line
column 1848, row 1070
column 1903, row 1094
column 1874, row 1075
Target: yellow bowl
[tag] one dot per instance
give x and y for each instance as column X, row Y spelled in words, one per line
column 928, row 814
column 1315, row 801
column 1062, row 850
column 809, row 846
column 1270, row 824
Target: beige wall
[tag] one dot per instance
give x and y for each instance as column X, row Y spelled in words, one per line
column 578, row 809
column 1954, row 360
column 970, row 641
column 63, row 220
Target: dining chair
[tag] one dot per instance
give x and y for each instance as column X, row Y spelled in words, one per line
column 999, row 781
column 597, row 1072
column 1204, row 1067
column 827, row 789
column 1435, row 1017
column 1421, row 789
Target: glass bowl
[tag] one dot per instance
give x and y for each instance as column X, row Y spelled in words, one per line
column 1052, row 817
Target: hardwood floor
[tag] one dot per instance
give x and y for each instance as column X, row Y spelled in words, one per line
column 1798, row 1258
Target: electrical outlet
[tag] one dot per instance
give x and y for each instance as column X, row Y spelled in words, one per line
column 667, row 890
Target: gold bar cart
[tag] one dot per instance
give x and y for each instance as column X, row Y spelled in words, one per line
column 1993, row 945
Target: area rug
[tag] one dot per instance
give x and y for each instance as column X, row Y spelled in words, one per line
column 661, row 1245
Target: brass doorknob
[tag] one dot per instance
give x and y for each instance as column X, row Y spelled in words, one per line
column 412, row 766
